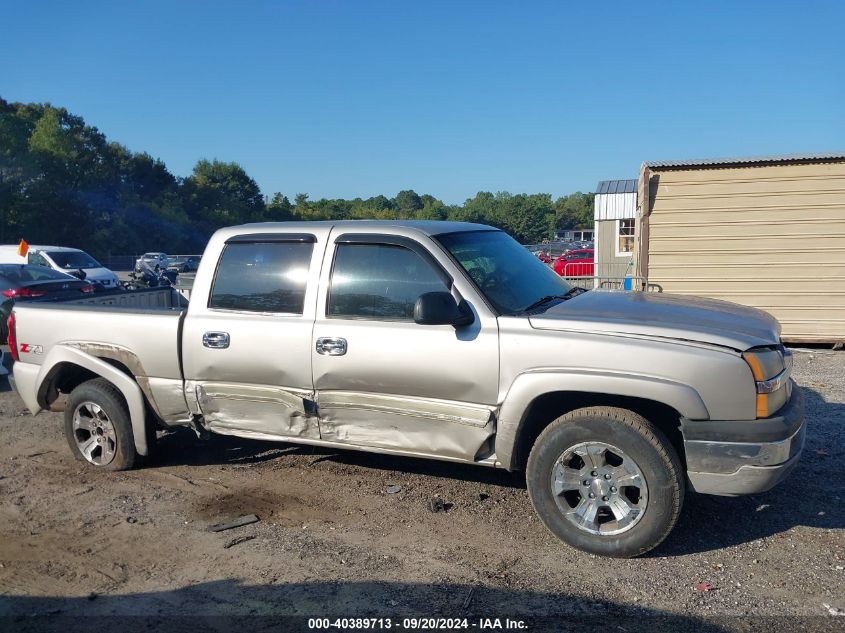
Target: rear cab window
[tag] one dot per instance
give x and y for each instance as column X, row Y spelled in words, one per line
column 262, row 276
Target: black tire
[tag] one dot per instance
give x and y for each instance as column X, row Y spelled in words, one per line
column 641, row 442
column 108, row 398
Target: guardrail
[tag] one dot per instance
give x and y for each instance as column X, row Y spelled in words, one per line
column 634, row 284
column 582, row 274
column 628, row 283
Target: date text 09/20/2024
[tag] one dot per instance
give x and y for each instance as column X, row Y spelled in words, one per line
column 416, row 624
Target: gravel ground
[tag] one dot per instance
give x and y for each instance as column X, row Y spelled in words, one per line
column 332, row 541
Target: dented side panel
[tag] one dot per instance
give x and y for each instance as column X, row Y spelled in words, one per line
column 421, row 426
column 165, row 395
column 424, row 408
column 169, row 398
column 275, row 411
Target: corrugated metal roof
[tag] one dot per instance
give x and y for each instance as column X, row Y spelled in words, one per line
column 617, row 186
column 747, row 160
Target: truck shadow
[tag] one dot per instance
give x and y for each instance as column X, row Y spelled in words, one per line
column 812, row 496
column 180, row 448
column 222, row 606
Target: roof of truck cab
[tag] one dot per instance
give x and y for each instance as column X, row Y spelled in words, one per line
column 427, row 227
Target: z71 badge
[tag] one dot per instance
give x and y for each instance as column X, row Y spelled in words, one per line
column 26, row 348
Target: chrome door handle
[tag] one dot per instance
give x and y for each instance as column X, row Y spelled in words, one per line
column 331, row 346
column 216, row 340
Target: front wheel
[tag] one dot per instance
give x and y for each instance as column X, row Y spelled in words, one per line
column 98, row 427
column 606, row 481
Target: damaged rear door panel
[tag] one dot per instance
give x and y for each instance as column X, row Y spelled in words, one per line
column 249, row 337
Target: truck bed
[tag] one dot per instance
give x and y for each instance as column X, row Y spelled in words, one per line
column 137, row 330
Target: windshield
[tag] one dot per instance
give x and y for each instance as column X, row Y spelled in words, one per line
column 71, row 260
column 509, row 275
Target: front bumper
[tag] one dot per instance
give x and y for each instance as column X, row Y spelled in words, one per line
column 744, row 456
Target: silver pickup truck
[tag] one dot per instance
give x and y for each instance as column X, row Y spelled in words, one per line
column 432, row 339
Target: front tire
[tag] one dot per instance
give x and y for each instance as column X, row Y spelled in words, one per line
column 606, row 481
column 98, row 427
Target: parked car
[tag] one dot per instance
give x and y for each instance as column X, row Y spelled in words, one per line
column 21, row 282
column 543, row 256
column 576, row 263
column 442, row 340
column 153, row 260
column 72, row 261
column 184, row 263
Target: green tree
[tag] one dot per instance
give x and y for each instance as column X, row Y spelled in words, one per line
column 221, row 194
column 407, row 203
column 481, row 208
column 302, row 207
column 51, row 137
column 279, row 209
column 526, row 217
column 574, row 211
column 378, row 203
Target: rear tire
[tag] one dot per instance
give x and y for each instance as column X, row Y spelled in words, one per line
column 606, row 481
column 98, row 428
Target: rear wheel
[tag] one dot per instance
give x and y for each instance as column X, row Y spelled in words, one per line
column 607, row 481
column 98, row 428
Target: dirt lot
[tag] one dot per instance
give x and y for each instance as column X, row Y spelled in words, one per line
column 333, row 542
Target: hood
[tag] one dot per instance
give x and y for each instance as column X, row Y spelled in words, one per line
column 661, row 315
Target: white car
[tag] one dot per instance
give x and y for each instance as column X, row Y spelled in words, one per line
column 63, row 259
column 153, row 260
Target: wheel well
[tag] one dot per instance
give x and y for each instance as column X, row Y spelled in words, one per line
column 548, row 407
column 65, row 377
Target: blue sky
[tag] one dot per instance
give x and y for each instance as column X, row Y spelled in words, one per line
column 345, row 99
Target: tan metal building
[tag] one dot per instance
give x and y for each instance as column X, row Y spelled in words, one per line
column 763, row 232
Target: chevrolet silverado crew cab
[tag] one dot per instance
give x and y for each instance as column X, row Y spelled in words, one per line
column 432, row 339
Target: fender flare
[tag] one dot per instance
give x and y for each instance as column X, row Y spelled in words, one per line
column 125, row 384
column 530, row 385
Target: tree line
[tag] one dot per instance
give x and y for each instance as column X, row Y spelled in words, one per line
column 63, row 182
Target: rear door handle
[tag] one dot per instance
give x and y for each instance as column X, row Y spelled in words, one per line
column 331, row 346
column 216, row 340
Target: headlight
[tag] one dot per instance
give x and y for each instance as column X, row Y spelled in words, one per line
column 771, row 368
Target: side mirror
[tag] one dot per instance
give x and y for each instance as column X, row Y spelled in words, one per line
column 440, row 308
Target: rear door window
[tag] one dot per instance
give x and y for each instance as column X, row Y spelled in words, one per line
column 262, row 277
